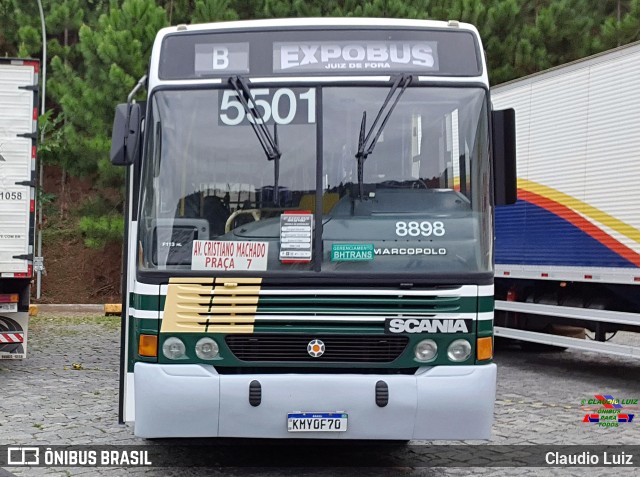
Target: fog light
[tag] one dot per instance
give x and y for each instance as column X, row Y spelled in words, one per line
column 206, row 348
column 173, row 348
column 426, row 350
column 459, row 350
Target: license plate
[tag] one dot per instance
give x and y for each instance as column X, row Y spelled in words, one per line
column 317, row 422
column 9, row 307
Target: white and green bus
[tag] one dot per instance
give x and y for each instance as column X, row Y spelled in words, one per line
column 309, row 240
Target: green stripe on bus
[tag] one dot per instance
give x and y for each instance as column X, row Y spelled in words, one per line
column 485, row 304
column 485, row 327
column 482, row 304
column 146, row 302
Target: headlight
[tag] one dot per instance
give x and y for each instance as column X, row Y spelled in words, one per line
column 206, row 348
column 459, row 350
column 173, row 348
column 426, row 350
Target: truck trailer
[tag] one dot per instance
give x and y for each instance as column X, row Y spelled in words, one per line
column 568, row 253
column 18, row 135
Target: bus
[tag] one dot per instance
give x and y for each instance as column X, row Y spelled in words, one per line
column 309, row 231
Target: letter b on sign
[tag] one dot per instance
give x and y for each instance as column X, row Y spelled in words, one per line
column 220, row 58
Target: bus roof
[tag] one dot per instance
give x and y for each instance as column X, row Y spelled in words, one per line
column 311, row 23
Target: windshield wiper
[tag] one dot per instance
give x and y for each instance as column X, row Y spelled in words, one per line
column 366, row 143
column 268, row 142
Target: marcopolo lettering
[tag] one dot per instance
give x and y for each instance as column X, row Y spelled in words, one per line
column 415, row 325
column 410, row 251
column 354, row 56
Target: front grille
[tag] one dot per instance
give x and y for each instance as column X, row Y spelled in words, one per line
column 246, row 305
column 338, row 348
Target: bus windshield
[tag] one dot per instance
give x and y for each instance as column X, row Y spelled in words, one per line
column 211, row 200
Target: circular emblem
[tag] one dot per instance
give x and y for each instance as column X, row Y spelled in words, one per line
column 315, row 348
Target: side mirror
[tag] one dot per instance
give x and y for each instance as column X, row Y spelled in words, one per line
column 505, row 187
column 125, row 136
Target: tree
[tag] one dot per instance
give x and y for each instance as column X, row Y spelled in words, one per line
column 622, row 28
column 563, row 33
column 114, row 54
column 503, row 40
column 213, row 11
column 8, row 29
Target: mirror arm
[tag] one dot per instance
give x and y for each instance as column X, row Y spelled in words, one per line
column 136, row 88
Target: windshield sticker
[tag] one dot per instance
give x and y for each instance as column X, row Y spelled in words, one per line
column 352, row 252
column 229, row 256
column 296, row 231
column 420, row 56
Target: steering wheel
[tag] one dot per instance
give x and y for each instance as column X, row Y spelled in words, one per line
column 419, row 182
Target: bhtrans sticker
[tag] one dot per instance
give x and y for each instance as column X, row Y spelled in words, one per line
column 229, row 256
column 426, row 325
column 296, row 237
column 352, row 252
column 322, row 56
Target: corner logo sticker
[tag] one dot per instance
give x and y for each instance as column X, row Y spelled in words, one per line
column 607, row 411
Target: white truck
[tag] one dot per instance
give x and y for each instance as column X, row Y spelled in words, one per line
column 568, row 253
column 18, row 135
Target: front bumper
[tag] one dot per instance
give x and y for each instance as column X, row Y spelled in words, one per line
column 191, row 400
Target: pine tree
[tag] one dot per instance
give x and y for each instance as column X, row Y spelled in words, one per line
column 213, row 11
column 8, row 29
column 114, row 53
column 623, row 27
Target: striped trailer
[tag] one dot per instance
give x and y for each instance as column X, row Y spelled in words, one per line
column 568, row 252
column 18, row 135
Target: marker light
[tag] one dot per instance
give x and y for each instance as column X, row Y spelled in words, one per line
column 148, row 346
column 459, row 350
column 206, row 348
column 173, row 348
column 9, row 298
column 426, row 350
column 484, row 348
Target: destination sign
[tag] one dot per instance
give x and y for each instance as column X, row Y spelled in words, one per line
column 332, row 51
column 316, row 57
